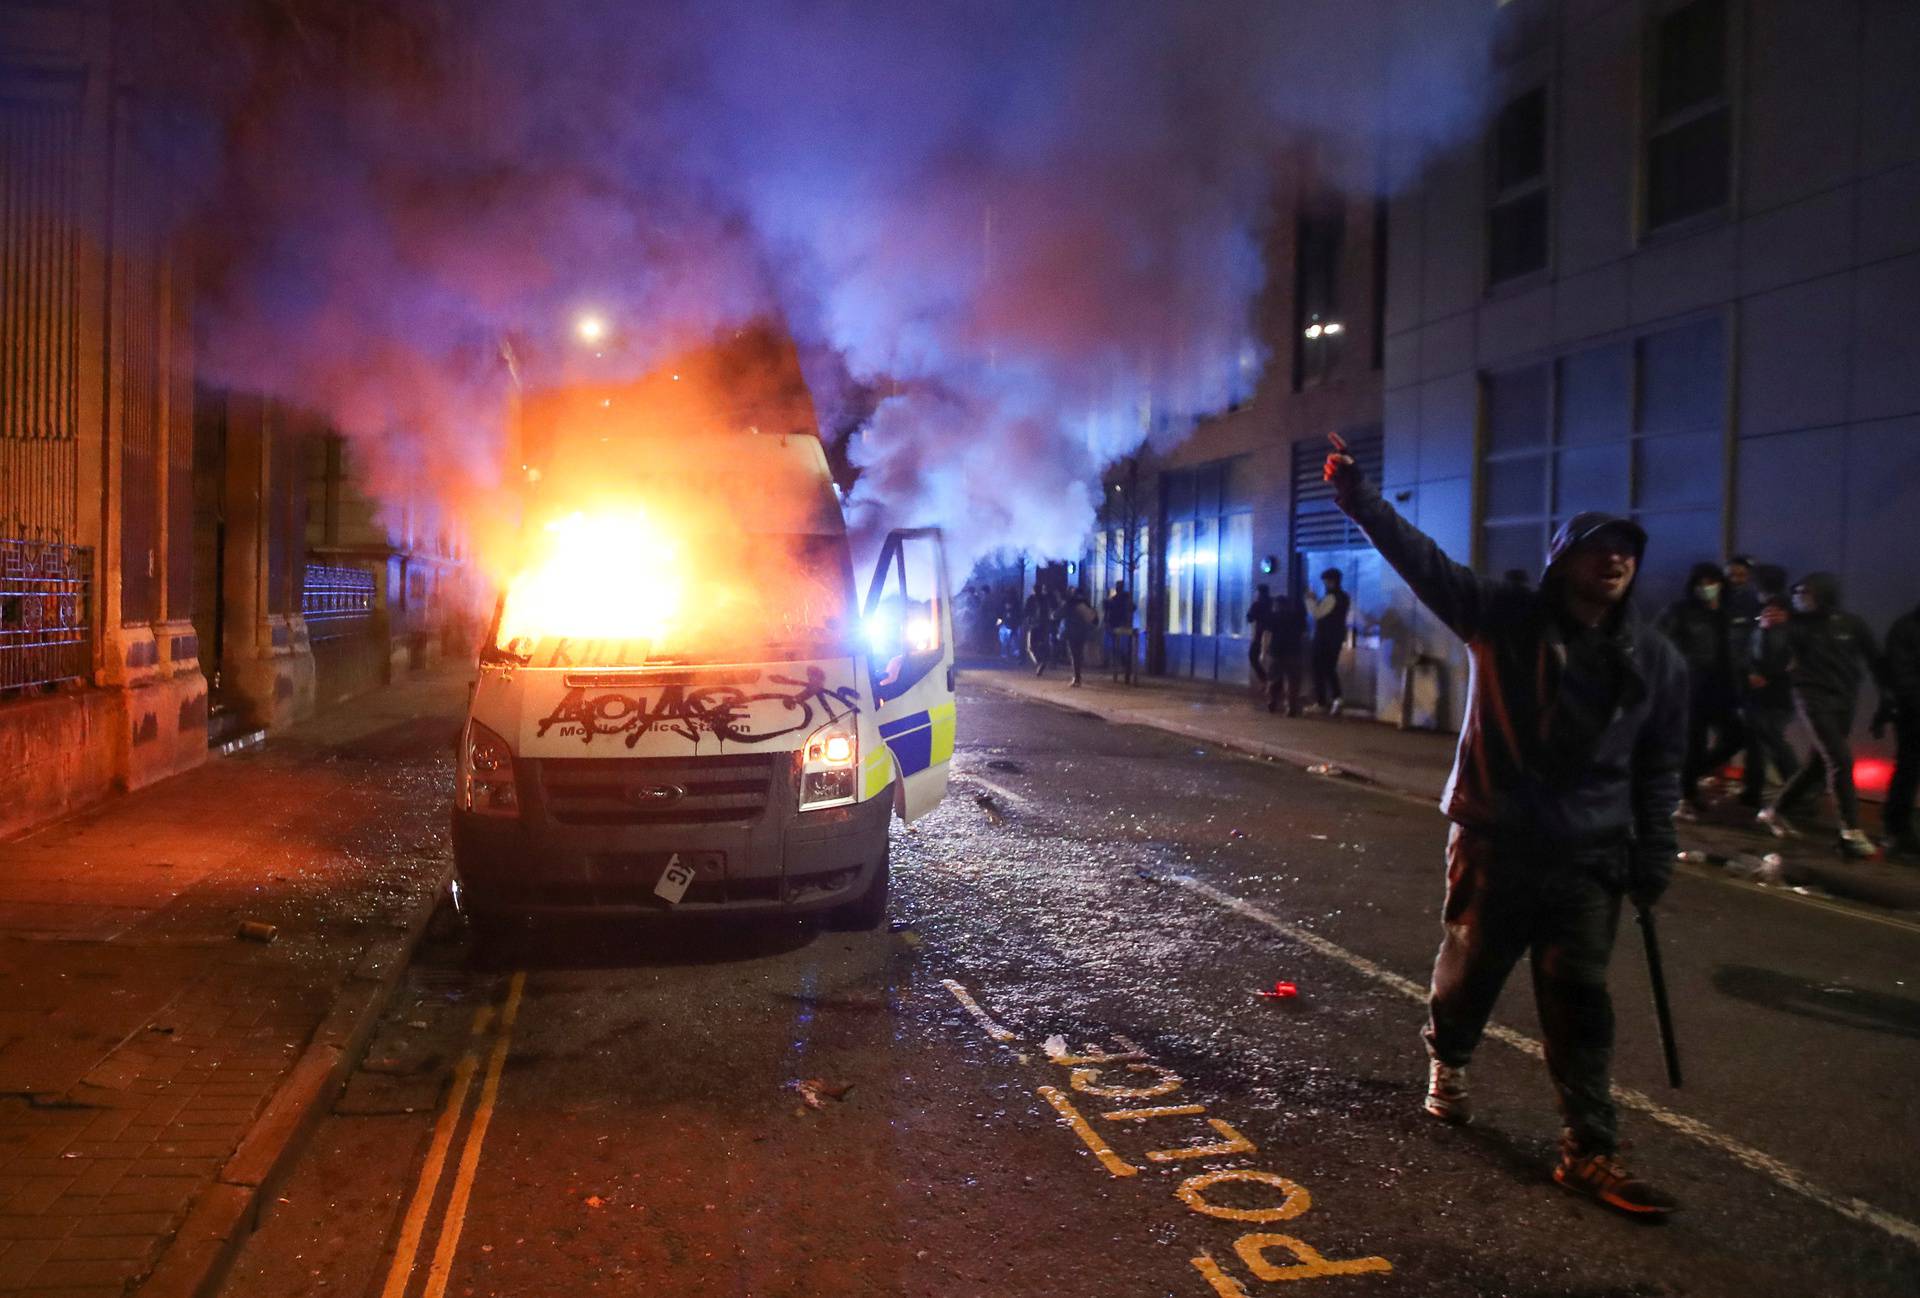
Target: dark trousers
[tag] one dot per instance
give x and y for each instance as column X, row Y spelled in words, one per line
column 1714, row 733
column 1326, row 672
column 1077, row 655
column 1504, row 900
column 1830, row 759
column 1039, row 649
column 1283, row 684
column 1253, row 658
column 1120, row 654
column 1767, row 745
column 1906, row 775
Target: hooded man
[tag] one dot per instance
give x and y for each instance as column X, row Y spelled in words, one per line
column 1827, row 652
column 1562, row 798
column 1697, row 623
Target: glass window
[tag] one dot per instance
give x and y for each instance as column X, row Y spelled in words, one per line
column 1596, row 395
column 1318, row 328
column 1517, row 488
column 1683, row 379
column 1515, row 545
column 1517, row 409
column 1206, row 577
column 1180, row 493
column 1236, row 573
column 1684, row 470
column 1675, row 542
column 1690, row 138
column 1591, row 477
column 1180, row 577
column 1517, row 215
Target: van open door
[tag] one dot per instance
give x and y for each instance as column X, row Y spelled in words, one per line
column 909, row 634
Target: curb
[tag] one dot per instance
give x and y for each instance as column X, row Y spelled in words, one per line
column 196, row 1261
column 1886, row 894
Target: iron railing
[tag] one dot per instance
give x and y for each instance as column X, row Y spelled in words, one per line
column 46, row 634
column 336, row 601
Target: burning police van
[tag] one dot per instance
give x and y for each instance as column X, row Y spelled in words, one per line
column 680, row 707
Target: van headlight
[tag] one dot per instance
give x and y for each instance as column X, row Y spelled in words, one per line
column 486, row 786
column 829, row 762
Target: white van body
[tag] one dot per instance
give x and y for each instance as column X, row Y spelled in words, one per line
column 752, row 772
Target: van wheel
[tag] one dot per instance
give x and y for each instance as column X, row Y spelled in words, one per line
column 869, row 910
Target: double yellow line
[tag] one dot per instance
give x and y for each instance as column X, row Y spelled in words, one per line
column 420, row 1207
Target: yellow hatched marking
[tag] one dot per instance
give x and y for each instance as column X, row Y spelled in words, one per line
column 1088, row 1136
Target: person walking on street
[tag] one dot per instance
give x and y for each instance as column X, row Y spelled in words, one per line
column 1077, row 623
column 1562, row 798
column 1119, row 620
column 1769, row 696
column 1697, row 625
column 1329, row 635
column 1827, row 652
column 1902, row 708
column 1280, row 653
column 1039, row 615
column 1257, row 617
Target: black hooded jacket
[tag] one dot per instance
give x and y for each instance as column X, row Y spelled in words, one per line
column 1829, row 651
column 1903, row 665
column 1571, row 736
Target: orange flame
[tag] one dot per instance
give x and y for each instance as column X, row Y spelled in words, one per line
column 617, row 574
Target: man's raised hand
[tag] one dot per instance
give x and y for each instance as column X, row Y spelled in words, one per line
column 1340, row 469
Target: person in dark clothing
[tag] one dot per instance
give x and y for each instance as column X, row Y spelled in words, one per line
column 1039, row 615
column 1768, row 699
column 1697, row 625
column 1562, row 798
column 1902, row 708
column 1119, row 619
column 1329, row 635
column 1827, row 651
column 1280, row 652
column 1077, row 623
column 1257, row 617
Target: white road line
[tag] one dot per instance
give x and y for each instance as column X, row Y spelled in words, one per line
column 1017, row 799
column 1766, row 1164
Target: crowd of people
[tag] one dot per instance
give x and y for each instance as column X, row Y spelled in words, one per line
column 1763, row 653
column 1767, row 659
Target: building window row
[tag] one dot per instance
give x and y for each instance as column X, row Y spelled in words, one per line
column 1687, row 145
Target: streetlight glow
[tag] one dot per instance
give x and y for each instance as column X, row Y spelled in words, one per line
column 591, row 328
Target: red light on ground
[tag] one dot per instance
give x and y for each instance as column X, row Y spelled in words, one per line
column 1870, row 774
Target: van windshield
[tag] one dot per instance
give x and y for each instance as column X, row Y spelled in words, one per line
column 739, row 598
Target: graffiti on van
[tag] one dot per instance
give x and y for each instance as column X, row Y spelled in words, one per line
column 726, row 713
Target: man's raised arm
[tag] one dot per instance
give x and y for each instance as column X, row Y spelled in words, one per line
column 1456, row 596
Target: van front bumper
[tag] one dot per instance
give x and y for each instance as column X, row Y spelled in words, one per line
column 581, row 844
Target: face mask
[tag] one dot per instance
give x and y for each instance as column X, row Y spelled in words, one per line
column 1802, row 602
column 1709, row 592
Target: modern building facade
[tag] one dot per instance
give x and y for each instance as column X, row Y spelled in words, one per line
column 1676, row 275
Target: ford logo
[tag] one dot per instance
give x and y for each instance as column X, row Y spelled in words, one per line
column 656, row 793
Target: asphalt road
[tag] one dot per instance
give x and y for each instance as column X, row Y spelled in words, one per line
column 616, row 1111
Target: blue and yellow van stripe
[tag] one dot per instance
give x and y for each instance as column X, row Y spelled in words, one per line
column 920, row 739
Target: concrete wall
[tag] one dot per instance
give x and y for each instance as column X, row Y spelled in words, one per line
column 1813, row 268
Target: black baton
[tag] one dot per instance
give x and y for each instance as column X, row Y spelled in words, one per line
column 1656, row 974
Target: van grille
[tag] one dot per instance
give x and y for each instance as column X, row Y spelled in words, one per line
column 726, row 789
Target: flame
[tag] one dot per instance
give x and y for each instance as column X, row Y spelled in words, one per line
column 616, row 574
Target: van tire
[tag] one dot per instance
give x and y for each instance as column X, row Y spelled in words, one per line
column 868, row 911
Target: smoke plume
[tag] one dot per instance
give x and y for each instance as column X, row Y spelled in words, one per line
column 1013, row 239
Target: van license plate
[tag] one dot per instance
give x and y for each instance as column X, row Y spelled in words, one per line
column 674, row 879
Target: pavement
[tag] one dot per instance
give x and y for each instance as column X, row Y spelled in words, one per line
column 1416, row 763
column 186, row 973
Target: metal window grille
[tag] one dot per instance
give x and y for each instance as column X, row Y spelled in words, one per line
column 46, row 634
column 1318, row 523
column 335, row 601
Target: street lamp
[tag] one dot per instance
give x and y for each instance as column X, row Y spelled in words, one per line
column 591, row 328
